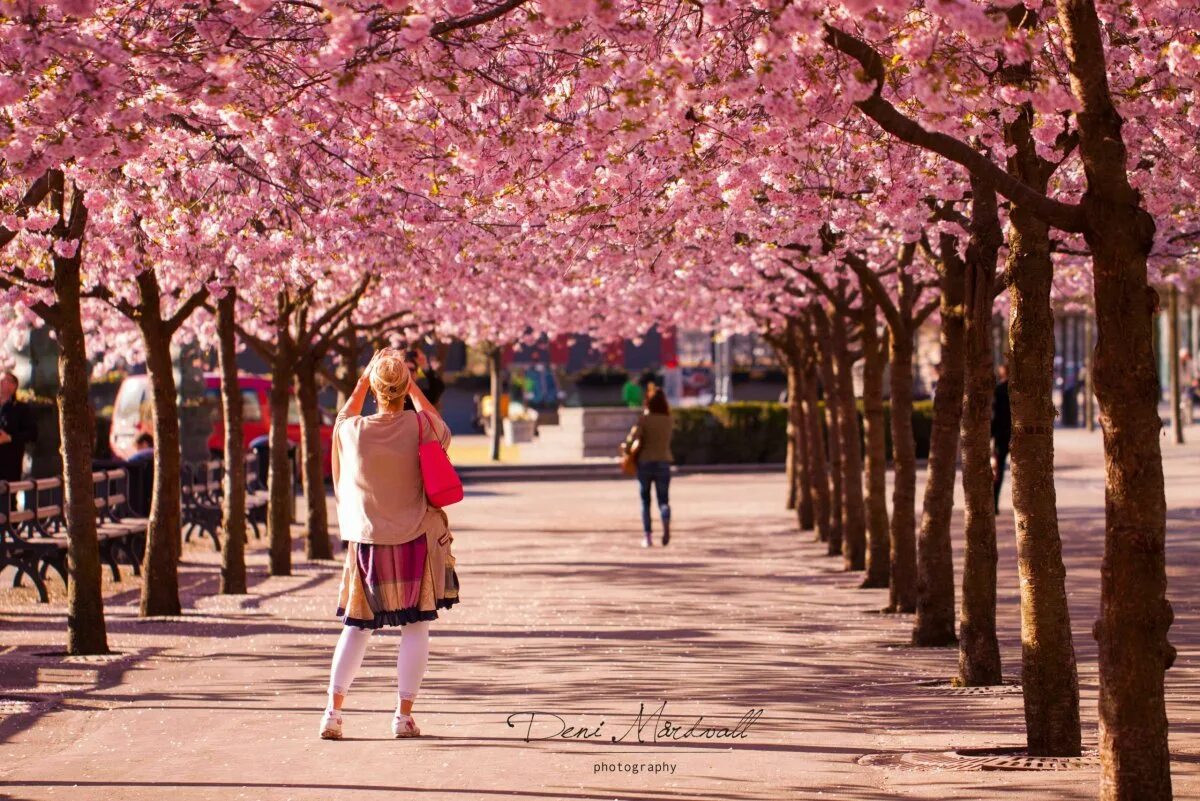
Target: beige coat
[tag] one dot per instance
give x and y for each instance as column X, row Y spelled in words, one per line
column 377, row 478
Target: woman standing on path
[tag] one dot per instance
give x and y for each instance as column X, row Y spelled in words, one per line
column 653, row 430
column 399, row 569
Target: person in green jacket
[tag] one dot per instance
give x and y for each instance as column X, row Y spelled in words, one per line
column 632, row 393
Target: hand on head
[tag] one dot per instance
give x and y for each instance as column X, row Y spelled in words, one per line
column 389, row 376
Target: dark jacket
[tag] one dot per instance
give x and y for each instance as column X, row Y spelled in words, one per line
column 16, row 419
column 1001, row 416
column 431, row 384
column 654, row 431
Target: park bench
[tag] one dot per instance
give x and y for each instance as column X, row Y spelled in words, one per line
column 201, row 493
column 256, row 495
column 204, row 493
column 126, row 530
column 33, row 540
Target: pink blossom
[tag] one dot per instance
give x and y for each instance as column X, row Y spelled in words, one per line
column 416, row 29
column 77, row 8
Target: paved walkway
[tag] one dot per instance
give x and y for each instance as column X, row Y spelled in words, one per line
column 563, row 614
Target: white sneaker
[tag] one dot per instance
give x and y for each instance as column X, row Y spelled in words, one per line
column 404, row 726
column 331, row 725
column 647, row 542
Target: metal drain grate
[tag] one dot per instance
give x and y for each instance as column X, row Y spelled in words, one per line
column 23, row 705
column 1010, row 686
column 978, row 759
column 907, row 645
column 85, row 659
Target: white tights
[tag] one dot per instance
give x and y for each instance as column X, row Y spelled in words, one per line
column 410, row 661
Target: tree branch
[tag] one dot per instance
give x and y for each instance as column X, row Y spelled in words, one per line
column 33, row 196
column 1065, row 216
column 186, row 309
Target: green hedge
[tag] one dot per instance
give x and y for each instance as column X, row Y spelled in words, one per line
column 730, row 433
column 756, row 431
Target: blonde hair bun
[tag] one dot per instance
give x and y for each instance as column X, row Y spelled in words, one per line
column 390, row 377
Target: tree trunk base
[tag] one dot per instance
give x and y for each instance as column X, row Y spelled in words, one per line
column 892, row 609
column 934, row 640
column 313, row 550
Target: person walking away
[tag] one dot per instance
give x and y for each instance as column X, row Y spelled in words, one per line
column 399, row 569
column 1001, row 430
column 17, row 430
column 653, row 430
column 1187, row 378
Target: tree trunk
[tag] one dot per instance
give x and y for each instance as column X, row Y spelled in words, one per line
column 979, row 652
column 874, row 361
column 805, row 514
column 833, row 433
column 854, row 536
column 312, row 470
column 1048, row 670
column 233, row 505
column 934, row 622
column 1135, row 615
column 497, row 420
column 798, row 458
column 279, row 475
column 818, row 465
column 902, row 590
column 1173, row 356
column 86, row 630
column 160, row 566
column 788, row 357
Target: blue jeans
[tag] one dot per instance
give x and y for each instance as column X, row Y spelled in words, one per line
column 658, row 473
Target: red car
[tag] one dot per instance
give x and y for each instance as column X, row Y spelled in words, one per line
column 132, row 414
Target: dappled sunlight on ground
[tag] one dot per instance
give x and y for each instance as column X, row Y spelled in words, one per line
column 563, row 613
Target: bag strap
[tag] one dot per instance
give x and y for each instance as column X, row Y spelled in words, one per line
column 420, row 431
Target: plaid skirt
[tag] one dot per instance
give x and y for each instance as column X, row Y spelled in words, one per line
column 390, row 585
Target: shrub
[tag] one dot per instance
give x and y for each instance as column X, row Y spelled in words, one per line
column 756, row 432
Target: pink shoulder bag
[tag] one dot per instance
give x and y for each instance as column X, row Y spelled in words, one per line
column 442, row 484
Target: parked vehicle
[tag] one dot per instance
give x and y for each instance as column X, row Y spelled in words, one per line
column 133, row 414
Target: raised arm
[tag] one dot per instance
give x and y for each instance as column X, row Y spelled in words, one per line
column 430, row 412
column 351, row 408
column 354, row 403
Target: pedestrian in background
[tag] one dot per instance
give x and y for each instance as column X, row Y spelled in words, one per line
column 17, row 429
column 1187, row 381
column 1001, row 431
column 428, row 378
column 632, row 394
column 653, row 431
